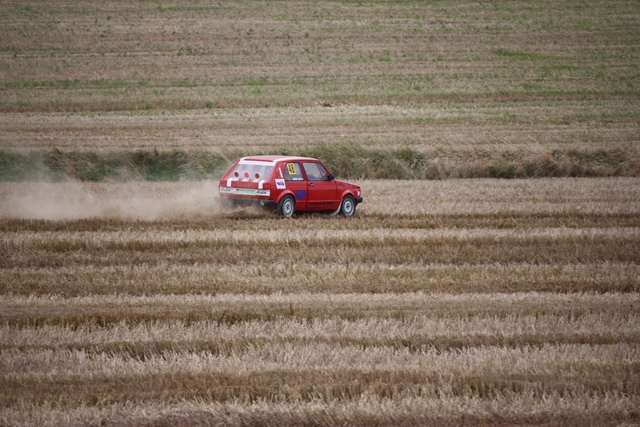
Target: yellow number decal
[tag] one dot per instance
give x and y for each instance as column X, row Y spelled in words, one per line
column 291, row 168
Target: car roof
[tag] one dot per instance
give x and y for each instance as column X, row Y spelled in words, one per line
column 275, row 159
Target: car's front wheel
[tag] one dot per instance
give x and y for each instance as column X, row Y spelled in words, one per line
column 286, row 207
column 348, row 206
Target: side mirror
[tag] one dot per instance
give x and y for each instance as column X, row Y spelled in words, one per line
column 330, row 177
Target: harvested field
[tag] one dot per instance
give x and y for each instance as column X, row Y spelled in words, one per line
column 127, row 300
column 471, row 301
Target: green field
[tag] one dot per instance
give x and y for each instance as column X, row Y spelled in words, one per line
column 129, row 297
column 472, row 89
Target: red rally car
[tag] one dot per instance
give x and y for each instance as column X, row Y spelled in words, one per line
column 287, row 185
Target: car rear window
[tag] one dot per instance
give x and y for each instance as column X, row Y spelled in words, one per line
column 252, row 170
column 292, row 172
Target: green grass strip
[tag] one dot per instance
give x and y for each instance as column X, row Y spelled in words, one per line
column 346, row 160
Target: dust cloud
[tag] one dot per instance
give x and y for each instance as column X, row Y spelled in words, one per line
column 123, row 200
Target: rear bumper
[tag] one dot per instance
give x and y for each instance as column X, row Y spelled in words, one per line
column 247, row 201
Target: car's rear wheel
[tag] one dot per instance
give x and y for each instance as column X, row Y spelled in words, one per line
column 286, row 207
column 348, row 206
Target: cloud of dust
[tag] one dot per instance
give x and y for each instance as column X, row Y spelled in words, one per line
column 123, row 200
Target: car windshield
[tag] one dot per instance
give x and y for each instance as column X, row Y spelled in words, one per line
column 252, row 170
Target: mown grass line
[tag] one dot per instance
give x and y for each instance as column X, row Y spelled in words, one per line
column 421, row 330
column 283, row 385
column 72, row 315
column 540, row 250
column 69, row 100
column 470, row 412
column 518, row 220
column 261, row 279
column 236, row 347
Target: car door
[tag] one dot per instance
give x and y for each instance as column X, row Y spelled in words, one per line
column 291, row 178
column 321, row 188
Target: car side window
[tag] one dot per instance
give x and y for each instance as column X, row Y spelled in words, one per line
column 293, row 172
column 315, row 171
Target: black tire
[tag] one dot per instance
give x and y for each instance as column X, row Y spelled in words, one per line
column 286, row 207
column 348, row 206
